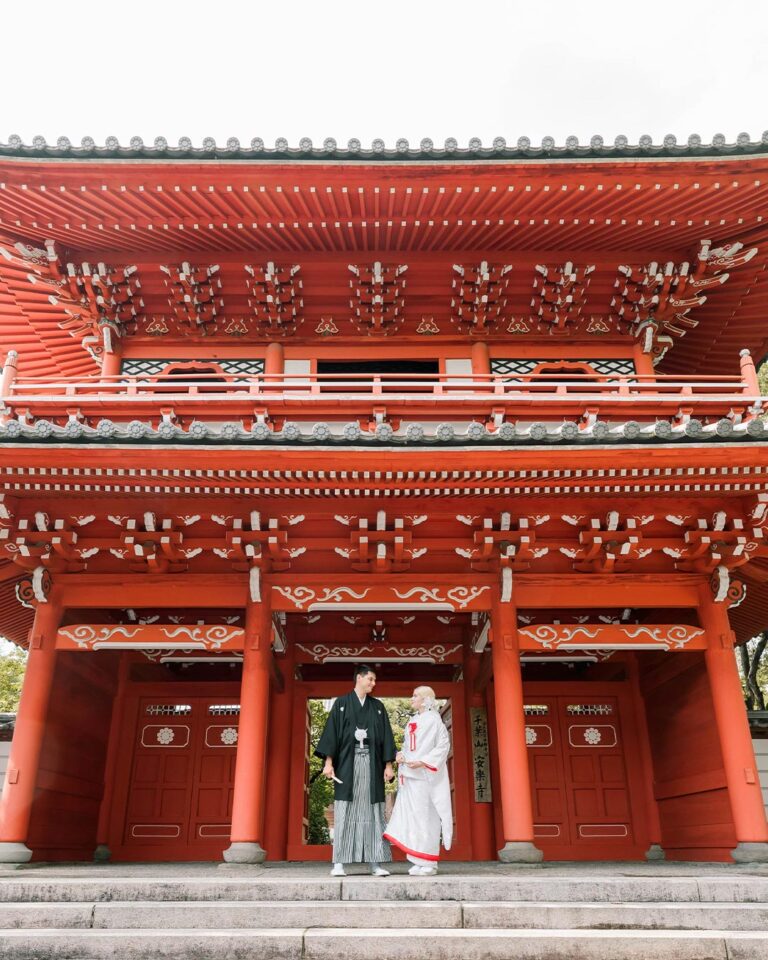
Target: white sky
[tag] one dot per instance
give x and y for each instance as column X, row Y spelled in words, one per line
column 390, row 69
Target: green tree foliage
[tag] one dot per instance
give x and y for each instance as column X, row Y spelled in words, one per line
column 752, row 656
column 320, row 788
column 12, row 666
column 753, row 666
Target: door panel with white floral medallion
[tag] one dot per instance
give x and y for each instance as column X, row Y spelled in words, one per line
column 182, row 776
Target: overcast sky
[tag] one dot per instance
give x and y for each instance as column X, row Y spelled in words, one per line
column 390, row 69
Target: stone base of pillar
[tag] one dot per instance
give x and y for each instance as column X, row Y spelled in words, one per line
column 520, row 851
column 102, row 854
column 750, row 853
column 655, row 852
column 14, row 852
column 245, row 853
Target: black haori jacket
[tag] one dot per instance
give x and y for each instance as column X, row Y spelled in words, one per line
column 338, row 742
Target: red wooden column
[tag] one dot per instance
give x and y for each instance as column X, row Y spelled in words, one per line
column 102, row 852
column 111, row 363
column 514, row 780
column 250, row 769
column 480, row 814
column 481, row 361
column 278, row 783
column 655, row 850
column 735, row 739
column 21, row 777
column 274, row 363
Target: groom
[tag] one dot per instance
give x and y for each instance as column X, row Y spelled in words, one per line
column 358, row 748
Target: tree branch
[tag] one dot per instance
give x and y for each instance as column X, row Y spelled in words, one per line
column 754, row 687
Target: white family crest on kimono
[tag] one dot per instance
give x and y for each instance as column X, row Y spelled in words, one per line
column 423, row 806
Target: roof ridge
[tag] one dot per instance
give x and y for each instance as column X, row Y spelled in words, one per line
column 378, row 150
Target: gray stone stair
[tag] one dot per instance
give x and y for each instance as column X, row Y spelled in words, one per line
column 465, row 917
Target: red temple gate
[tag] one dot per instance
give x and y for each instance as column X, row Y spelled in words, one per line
column 492, row 426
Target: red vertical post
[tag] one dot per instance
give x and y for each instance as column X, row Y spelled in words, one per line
column 480, row 814
column 112, row 363
column 274, row 364
column 733, row 728
column 278, row 783
column 481, row 365
column 24, row 759
column 514, row 778
column 102, row 851
column 655, row 850
column 250, row 767
column 10, row 369
column 749, row 374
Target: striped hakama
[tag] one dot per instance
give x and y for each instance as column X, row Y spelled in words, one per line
column 359, row 824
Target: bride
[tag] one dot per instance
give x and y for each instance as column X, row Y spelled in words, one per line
column 423, row 805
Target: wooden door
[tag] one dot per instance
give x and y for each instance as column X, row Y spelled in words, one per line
column 545, row 765
column 179, row 792
column 581, row 772
column 214, row 780
column 596, row 783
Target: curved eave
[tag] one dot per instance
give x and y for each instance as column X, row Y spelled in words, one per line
column 379, row 152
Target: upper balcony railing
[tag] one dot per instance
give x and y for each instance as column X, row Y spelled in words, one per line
column 371, row 398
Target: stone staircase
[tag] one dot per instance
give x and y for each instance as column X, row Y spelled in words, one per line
column 296, row 914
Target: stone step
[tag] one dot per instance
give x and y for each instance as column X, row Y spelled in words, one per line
column 397, row 944
column 235, row 914
column 624, row 916
column 481, row 888
column 244, row 914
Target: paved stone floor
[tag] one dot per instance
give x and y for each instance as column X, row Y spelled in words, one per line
column 315, row 870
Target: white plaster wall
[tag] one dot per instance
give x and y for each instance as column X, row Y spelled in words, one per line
column 761, row 755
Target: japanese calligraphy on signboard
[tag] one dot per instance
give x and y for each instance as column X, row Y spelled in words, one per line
column 480, row 760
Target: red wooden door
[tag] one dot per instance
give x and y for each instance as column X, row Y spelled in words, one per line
column 545, row 764
column 179, row 796
column 580, row 777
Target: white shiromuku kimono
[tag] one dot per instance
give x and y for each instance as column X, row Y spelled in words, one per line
column 423, row 805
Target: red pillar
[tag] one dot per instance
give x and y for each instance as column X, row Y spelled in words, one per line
column 733, row 728
column 514, row 779
column 21, row 776
column 655, row 850
column 481, row 363
column 111, row 363
column 278, row 783
column 8, row 375
column 102, row 851
column 480, row 814
column 250, row 768
column 274, row 363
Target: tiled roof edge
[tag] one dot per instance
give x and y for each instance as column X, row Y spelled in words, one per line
column 378, row 151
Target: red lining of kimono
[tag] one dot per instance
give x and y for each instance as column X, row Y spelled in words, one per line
column 433, row 769
column 414, row 853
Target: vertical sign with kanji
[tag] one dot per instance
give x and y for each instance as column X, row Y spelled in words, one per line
column 480, row 759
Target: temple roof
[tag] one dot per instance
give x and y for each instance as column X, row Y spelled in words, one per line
column 597, row 210
column 449, row 151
